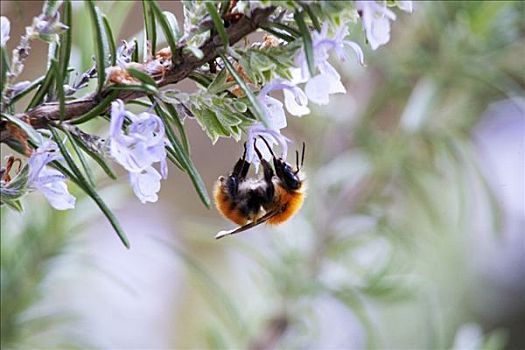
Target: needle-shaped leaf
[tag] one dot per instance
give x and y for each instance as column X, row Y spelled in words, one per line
column 166, row 28
column 59, row 86
column 183, row 158
column 149, row 24
column 307, row 41
column 87, row 170
column 33, row 136
column 95, row 154
column 42, row 90
column 111, row 40
column 174, row 24
column 217, row 21
column 33, row 85
column 66, row 39
column 313, row 17
column 176, row 119
column 4, row 66
column 98, row 110
column 84, row 184
column 135, row 54
column 101, row 43
column 148, row 89
column 278, row 33
column 142, row 76
column 255, row 105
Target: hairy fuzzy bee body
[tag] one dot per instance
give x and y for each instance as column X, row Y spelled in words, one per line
column 287, row 203
column 249, row 202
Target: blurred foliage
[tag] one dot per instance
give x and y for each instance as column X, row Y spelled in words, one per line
column 390, row 172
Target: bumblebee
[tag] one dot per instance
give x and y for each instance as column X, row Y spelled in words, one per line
column 272, row 199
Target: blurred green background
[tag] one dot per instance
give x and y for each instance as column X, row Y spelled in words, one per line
column 412, row 235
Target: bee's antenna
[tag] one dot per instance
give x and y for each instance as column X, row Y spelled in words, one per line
column 297, row 160
column 257, row 150
column 244, row 153
column 268, row 145
column 302, row 154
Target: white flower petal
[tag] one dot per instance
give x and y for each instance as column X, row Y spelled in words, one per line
column 146, row 184
column 5, row 27
column 49, row 181
column 274, row 112
column 379, row 33
column 273, row 137
column 319, row 88
column 293, row 106
column 58, row 195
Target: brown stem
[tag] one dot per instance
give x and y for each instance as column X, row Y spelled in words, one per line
column 39, row 116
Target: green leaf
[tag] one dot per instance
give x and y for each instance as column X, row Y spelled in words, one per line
column 101, row 43
column 4, row 66
column 50, row 7
column 172, row 112
column 135, row 54
column 142, row 76
column 84, row 184
column 14, row 204
column 219, row 25
column 174, row 24
column 42, row 90
column 59, row 85
column 98, row 110
column 111, row 40
column 31, row 133
column 220, row 83
column 166, row 28
column 255, row 106
column 149, row 24
column 65, row 40
column 200, row 78
column 313, row 17
column 15, row 188
column 87, row 170
column 145, row 88
column 183, row 158
column 211, row 124
column 307, row 41
column 195, row 51
column 33, row 85
column 95, row 154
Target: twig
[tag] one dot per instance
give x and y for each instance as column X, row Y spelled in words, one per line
column 39, row 116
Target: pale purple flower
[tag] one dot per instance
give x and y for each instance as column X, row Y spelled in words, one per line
column 294, row 99
column 47, row 180
column 273, row 137
column 5, row 27
column 47, row 27
column 137, row 149
column 124, row 52
column 328, row 81
column 146, row 184
column 376, row 21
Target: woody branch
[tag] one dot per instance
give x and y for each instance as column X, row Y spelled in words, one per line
column 39, row 116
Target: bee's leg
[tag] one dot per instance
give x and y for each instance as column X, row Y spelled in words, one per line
column 269, row 191
column 241, row 168
column 238, row 174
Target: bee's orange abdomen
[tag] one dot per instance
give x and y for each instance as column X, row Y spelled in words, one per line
column 226, row 207
column 290, row 201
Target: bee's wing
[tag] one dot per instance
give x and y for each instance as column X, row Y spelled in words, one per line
column 248, row 226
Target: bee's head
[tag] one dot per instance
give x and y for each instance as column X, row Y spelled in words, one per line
column 285, row 172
